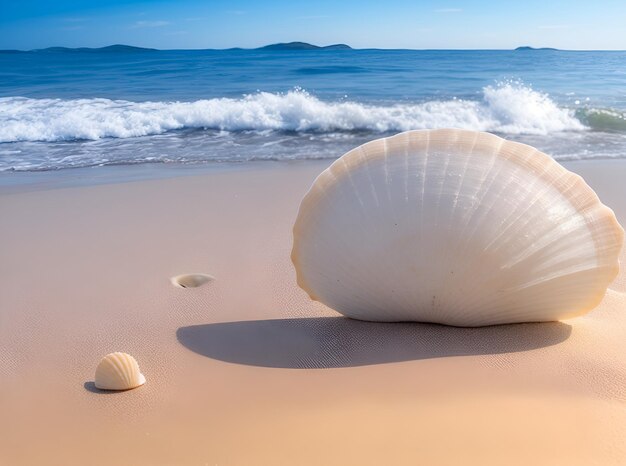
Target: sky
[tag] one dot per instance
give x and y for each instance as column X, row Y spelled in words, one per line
column 435, row 24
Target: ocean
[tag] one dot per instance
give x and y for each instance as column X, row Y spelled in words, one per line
column 61, row 109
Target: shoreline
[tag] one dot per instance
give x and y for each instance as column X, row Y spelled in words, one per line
column 18, row 182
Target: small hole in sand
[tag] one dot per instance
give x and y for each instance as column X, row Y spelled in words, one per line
column 191, row 280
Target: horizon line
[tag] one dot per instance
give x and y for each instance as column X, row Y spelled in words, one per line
column 530, row 48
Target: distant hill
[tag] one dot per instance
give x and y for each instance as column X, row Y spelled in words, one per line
column 120, row 48
column 304, row 46
column 526, row 47
column 117, row 48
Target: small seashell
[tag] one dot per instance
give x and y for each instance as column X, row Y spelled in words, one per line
column 191, row 280
column 118, row 371
column 454, row 227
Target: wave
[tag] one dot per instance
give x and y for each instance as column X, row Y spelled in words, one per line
column 603, row 119
column 331, row 69
column 509, row 108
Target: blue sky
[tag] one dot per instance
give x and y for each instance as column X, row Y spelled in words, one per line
column 600, row 24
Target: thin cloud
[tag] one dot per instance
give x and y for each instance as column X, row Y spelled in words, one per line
column 72, row 28
column 313, row 17
column 448, row 10
column 75, row 20
column 237, row 12
column 150, row 24
column 556, row 26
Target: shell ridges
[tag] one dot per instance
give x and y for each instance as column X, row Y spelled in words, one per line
column 118, row 371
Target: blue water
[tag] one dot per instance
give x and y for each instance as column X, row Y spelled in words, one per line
column 73, row 109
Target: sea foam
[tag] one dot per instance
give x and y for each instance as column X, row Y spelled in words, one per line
column 505, row 108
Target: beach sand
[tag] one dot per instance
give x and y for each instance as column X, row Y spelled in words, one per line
column 246, row 369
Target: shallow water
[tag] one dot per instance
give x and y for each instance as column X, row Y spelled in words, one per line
column 76, row 109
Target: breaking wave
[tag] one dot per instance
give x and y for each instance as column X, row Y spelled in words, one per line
column 509, row 108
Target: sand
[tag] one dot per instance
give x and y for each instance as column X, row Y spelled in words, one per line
column 245, row 369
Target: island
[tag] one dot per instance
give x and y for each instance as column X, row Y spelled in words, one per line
column 526, row 47
column 121, row 48
column 304, row 46
column 117, row 48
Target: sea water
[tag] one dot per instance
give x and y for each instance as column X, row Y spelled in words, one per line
column 61, row 108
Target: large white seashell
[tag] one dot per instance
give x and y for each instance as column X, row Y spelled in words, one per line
column 118, row 371
column 454, row 227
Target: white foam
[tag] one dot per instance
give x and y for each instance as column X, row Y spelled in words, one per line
column 518, row 109
column 506, row 108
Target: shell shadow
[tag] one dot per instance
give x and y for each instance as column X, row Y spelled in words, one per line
column 332, row 342
column 91, row 387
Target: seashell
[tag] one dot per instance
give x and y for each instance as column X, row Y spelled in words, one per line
column 118, row 371
column 454, row 227
column 191, row 280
